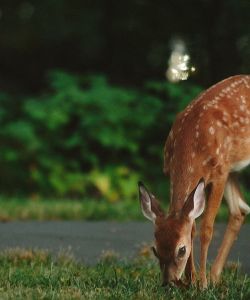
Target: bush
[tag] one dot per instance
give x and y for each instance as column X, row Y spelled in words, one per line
column 86, row 136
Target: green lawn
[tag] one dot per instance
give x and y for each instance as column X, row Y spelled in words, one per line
column 53, row 209
column 27, row 274
column 86, row 209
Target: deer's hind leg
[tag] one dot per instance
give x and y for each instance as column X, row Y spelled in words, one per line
column 238, row 210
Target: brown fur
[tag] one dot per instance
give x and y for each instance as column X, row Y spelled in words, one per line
column 208, row 140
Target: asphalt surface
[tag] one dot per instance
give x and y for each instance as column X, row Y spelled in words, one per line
column 87, row 241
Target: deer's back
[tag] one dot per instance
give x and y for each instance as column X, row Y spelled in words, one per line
column 213, row 132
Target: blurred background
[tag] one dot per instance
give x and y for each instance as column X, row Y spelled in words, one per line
column 89, row 90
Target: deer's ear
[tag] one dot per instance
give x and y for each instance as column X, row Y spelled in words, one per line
column 195, row 204
column 149, row 205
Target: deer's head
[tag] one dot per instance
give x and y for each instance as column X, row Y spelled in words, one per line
column 173, row 231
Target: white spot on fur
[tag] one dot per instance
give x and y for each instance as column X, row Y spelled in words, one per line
column 219, row 124
column 242, row 120
column 243, row 99
column 206, row 160
column 191, row 170
column 247, row 85
column 211, row 130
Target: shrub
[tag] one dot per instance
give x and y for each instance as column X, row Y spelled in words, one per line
column 86, row 136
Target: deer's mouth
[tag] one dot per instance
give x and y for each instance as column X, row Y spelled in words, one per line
column 177, row 282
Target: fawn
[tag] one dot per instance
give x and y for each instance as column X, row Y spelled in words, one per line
column 208, row 143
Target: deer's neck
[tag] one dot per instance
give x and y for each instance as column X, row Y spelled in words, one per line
column 181, row 186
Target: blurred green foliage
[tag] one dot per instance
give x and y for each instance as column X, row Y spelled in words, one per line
column 86, row 208
column 96, row 136
column 85, row 136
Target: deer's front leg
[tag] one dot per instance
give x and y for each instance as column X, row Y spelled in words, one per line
column 190, row 267
column 206, row 231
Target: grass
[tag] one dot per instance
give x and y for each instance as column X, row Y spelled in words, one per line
column 27, row 274
column 51, row 209
column 86, row 209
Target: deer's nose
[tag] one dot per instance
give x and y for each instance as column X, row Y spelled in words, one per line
column 169, row 280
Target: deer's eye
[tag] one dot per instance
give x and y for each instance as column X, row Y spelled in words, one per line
column 182, row 251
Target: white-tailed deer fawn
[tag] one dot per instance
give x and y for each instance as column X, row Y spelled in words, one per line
column 208, row 143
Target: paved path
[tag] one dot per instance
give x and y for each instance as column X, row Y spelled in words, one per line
column 87, row 240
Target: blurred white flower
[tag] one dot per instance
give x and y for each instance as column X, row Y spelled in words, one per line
column 178, row 64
